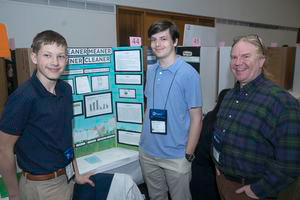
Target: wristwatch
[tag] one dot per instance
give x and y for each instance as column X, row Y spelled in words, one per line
column 190, row 157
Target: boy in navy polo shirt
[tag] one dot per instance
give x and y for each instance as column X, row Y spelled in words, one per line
column 36, row 125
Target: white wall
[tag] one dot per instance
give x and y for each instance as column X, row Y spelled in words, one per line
column 226, row 33
column 81, row 28
column 276, row 12
column 91, row 28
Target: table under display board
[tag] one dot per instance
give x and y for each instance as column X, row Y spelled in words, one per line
column 113, row 160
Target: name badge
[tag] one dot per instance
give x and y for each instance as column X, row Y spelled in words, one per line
column 158, row 121
column 70, row 171
column 69, row 156
column 217, row 141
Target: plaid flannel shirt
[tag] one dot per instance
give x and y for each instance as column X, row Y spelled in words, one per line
column 260, row 123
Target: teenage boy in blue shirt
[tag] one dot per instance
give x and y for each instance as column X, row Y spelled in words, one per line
column 173, row 118
column 37, row 125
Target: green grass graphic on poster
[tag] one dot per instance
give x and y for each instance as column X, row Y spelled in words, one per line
column 94, row 147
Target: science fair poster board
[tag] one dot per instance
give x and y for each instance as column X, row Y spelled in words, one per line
column 108, row 102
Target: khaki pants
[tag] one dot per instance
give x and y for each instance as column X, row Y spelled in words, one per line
column 54, row 189
column 163, row 175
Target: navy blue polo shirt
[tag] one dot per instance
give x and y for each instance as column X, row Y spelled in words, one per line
column 44, row 123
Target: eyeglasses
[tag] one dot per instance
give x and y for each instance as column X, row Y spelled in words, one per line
column 251, row 37
column 260, row 44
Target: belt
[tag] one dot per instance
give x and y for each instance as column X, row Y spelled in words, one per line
column 241, row 180
column 44, row 177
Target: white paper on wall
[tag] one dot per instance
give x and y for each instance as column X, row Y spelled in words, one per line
column 207, row 35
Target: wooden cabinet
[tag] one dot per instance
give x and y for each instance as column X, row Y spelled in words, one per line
column 281, row 65
column 129, row 23
column 136, row 21
column 25, row 67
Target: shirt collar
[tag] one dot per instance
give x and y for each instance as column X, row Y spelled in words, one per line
column 174, row 67
column 42, row 90
column 251, row 86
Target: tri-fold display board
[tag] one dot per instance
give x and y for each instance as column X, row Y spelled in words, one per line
column 108, row 101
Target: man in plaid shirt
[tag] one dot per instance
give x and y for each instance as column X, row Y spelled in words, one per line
column 256, row 138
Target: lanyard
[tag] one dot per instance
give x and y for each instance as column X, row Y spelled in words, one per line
column 168, row 90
